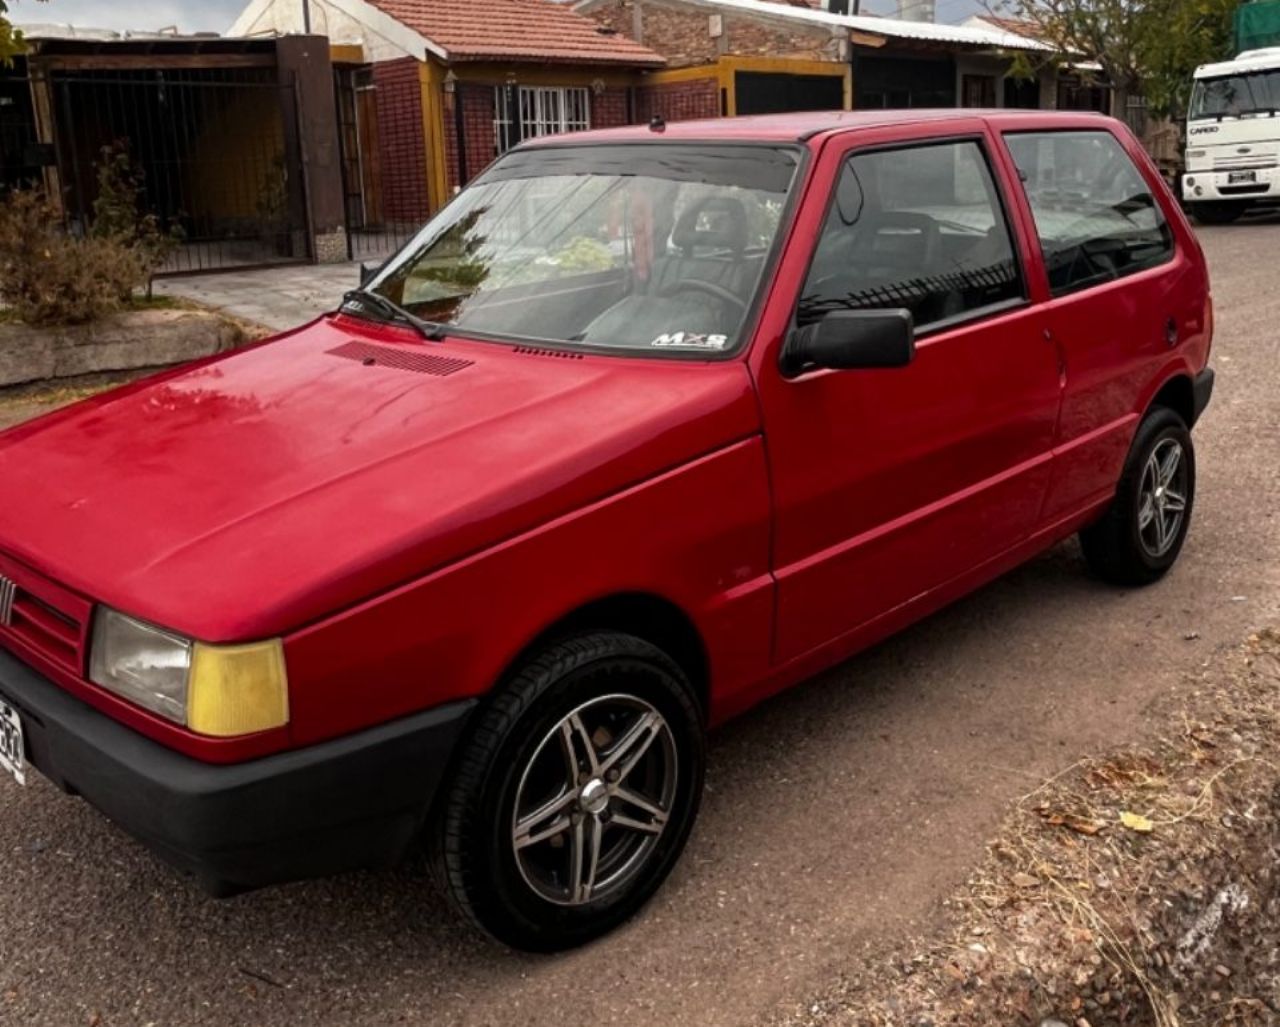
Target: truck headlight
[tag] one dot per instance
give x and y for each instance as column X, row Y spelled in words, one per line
column 218, row 690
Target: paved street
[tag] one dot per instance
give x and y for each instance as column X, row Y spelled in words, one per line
column 837, row 816
column 278, row 298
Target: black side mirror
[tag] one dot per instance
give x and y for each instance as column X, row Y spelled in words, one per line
column 851, row 339
column 366, row 274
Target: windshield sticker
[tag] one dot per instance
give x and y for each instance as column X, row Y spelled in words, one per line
column 690, row 340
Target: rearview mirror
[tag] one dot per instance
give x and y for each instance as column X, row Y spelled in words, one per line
column 851, row 339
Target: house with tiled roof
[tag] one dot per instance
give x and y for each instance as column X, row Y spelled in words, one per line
column 756, row 56
column 429, row 92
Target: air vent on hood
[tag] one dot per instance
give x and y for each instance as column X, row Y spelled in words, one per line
column 401, row 359
column 533, row 351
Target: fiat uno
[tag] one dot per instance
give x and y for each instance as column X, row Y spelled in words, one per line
column 643, row 427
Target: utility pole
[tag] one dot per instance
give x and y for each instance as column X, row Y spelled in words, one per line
column 306, row 17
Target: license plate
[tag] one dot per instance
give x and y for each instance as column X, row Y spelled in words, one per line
column 11, row 757
column 1241, row 176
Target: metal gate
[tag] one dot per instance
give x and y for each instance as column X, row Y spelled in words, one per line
column 376, row 228
column 217, row 150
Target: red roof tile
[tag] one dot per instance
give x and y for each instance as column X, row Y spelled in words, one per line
column 524, row 30
column 1018, row 26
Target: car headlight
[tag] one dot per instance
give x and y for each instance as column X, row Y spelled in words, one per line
column 218, row 690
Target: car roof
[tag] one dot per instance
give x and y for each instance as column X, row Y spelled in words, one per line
column 798, row 127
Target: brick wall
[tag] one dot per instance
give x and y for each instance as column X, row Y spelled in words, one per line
column 682, row 34
column 403, row 157
column 609, row 109
column 477, row 131
column 679, row 101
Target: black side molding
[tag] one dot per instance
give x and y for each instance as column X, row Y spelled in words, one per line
column 1201, row 391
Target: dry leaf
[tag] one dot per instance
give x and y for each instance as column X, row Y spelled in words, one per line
column 1134, row 822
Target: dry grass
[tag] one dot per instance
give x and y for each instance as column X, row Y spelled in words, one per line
column 1135, row 888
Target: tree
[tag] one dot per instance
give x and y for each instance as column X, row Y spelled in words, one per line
column 1198, row 31
column 11, row 42
column 1144, row 47
column 10, row 38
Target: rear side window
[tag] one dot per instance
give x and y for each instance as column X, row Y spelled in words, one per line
column 1094, row 212
column 919, row 227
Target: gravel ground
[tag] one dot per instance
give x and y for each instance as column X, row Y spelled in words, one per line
column 1140, row 888
column 838, row 815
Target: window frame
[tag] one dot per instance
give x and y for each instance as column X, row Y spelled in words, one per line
column 804, row 158
column 567, row 98
column 985, row 151
column 1153, row 191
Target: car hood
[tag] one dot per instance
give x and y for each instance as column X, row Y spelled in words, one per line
column 253, row 493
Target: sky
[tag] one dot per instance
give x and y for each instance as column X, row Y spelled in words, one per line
column 217, row 15
column 145, row 15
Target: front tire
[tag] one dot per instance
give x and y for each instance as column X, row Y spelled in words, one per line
column 575, row 794
column 1140, row 536
column 1211, row 213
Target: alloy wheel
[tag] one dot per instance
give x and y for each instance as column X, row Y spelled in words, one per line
column 594, row 800
column 1162, row 497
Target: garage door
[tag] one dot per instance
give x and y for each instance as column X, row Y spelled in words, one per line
column 769, row 93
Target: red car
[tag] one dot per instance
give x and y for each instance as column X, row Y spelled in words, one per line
column 647, row 425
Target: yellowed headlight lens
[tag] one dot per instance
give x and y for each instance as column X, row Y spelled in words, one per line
column 237, row 689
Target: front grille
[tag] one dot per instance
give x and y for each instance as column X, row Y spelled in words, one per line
column 1245, row 162
column 42, row 619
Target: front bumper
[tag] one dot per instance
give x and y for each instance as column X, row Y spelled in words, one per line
column 1216, row 187
column 358, row 801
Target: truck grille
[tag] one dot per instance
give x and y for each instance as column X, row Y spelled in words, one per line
column 40, row 619
column 1245, row 162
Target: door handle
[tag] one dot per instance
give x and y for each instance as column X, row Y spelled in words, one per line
column 1171, row 332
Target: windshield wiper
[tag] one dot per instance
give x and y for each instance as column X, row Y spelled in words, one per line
column 429, row 330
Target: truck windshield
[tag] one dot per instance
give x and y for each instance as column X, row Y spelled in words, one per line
column 1231, row 96
column 654, row 247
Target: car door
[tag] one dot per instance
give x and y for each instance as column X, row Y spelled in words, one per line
column 1123, row 294
column 888, row 483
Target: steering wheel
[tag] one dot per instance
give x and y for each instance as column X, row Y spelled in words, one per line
column 710, row 289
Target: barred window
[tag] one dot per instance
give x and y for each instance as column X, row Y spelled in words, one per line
column 919, row 227
column 541, row 110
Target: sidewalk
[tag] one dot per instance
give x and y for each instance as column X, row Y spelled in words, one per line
column 277, row 298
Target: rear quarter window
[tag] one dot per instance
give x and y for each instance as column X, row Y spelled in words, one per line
column 1095, row 214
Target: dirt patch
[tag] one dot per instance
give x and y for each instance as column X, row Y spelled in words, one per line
column 1137, row 888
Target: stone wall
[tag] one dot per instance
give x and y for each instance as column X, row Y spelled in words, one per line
column 683, row 34
column 125, row 342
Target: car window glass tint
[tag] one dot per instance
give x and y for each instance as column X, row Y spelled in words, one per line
column 919, row 227
column 1094, row 212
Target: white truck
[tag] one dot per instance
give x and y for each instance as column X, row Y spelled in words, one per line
column 1233, row 137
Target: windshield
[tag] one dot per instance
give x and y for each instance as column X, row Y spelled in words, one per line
column 654, row 247
column 1231, row 96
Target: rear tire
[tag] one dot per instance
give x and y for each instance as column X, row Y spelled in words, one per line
column 575, row 794
column 1211, row 213
column 1140, row 536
